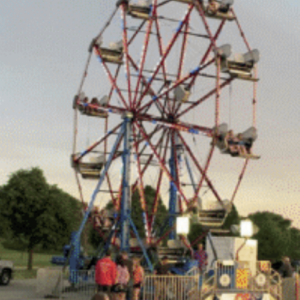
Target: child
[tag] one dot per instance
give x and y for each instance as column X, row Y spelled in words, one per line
column 138, row 277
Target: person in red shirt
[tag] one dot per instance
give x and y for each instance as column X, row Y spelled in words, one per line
column 106, row 273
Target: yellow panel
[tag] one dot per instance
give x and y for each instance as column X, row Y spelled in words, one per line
column 264, row 266
column 242, row 279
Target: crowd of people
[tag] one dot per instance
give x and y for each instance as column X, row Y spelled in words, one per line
column 118, row 280
column 123, row 278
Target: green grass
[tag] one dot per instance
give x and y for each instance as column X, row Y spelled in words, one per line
column 20, row 258
column 25, row 274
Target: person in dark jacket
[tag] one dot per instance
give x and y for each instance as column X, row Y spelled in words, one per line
column 286, row 269
column 163, row 267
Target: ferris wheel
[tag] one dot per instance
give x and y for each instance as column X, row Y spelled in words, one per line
column 158, row 87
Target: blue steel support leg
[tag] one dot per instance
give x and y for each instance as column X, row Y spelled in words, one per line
column 173, row 193
column 74, row 259
column 108, row 242
column 126, row 194
column 101, row 180
column 141, row 244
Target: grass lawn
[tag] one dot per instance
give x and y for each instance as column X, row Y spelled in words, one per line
column 20, row 258
column 25, row 274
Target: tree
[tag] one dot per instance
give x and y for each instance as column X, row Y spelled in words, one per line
column 294, row 249
column 137, row 212
column 37, row 214
column 196, row 231
column 233, row 218
column 274, row 236
column 4, row 227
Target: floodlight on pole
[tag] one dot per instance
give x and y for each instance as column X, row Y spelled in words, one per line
column 246, row 228
column 246, row 231
column 182, row 225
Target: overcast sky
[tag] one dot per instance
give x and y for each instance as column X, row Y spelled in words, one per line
column 43, row 47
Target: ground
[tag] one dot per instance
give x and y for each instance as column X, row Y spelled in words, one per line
column 19, row 290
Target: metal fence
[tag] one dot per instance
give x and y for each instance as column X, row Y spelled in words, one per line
column 223, row 278
column 171, row 287
column 76, row 285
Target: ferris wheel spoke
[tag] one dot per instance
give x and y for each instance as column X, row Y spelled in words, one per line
column 241, row 30
column 202, row 99
column 165, row 93
column 240, row 180
column 162, row 165
column 193, row 80
column 111, row 78
column 97, row 143
column 143, row 59
column 144, row 148
column 159, row 106
column 218, row 32
column 159, row 182
column 200, row 10
column 147, row 164
column 182, row 57
column 166, row 53
column 202, row 171
column 125, row 56
column 164, row 2
column 208, row 160
column 180, row 126
column 217, row 105
column 255, row 67
column 203, row 60
column 141, row 189
column 150, row 135
column 193, row 74
column 112, row 88
column 164, row 67
column 137, row 31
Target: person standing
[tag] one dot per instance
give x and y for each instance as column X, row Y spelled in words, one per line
column 201, row 256
column 129, row 264
column 138, row 278
column 286, row 269
column 106, row 273
column 122, row 279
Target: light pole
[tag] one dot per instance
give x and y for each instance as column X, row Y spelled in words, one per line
column 183, row 229
column 246, row 231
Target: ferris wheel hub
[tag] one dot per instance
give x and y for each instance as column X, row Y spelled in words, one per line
column 128, row 115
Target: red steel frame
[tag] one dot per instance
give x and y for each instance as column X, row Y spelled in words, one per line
column 135, row 104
